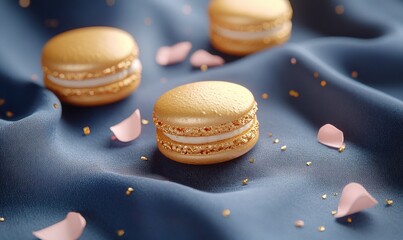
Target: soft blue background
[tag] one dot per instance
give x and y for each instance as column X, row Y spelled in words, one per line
column 48, row 168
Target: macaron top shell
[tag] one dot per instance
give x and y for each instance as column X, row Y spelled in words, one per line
column 266, row 10
column 203, row 104
column 89, row 49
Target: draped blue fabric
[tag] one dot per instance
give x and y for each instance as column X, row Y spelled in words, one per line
column 48, row 167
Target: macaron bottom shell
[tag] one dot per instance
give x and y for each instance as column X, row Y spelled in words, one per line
column 214, row 156
column 96, row 96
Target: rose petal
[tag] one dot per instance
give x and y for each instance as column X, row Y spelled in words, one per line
column 354, row 198
column 70, row 228
column 168, row 55
column 129, row 129
column 330, row 136
column 202, row 57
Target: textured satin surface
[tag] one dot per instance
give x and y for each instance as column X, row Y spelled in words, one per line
column 48, row 168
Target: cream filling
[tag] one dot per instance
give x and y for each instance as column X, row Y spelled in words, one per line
column 238, row 35
column 210, row 139
column 95, row 82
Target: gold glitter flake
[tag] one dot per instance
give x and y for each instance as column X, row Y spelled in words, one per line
column 129, row 191
column 308, row 163
column 52, row 23
column 389, row 202
column 283, row 148
column 245, row 181
column 144, row 158
column 2, row 101
column 2, row 219
column 144, row 121
column 333, row 212
column 293, row 61
column 9, row 114
column 265, row 96
column 86, row 130
column 270, row 134
column 323, row 83
column 342, row 148
column 354, row 74
column 321, row 228
column 349, row 220
column 276, row 141
column 252, row 160
column 110, row 3
column 24, row 3
column 293, row 93
column 55, row 105
column 315, row 74
column 324, row 196
column 120, row 232
column 339, row 9
column 226, row 213
column 203, row 67
column 299, row 223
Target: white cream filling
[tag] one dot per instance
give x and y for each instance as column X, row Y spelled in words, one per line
column 95, row 82
column 238, row 35
column 209, row 139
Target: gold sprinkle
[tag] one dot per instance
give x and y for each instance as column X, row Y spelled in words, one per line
column 9, row 114
column 270, row 134
column 110, row 3
column 299, row 223
column 203, row 67
column 321, row 228
column 2, row 219
column 293, row 93
column 323, row 83
column 245, row 182
column 120, row 232
column 144, row 121
column 334, row 212
column 315, row 74
column 349, row 220
column 34, row 77
column 186, row 9
column 252, row 160
column 276, row 140
column 354, row 74
column 283, row 148
column 389, row 202
column 339, row 9
column 324, row 196
column 24, row 3
column 293, row 61
column 55, row 105
column 129, row 191
column 86, row 131
column 308, row 163
column 144, row 158
column 2, row 101
column 148, row 21
column 265, row 96
column 226, row 212
column 341, row 149
column 52, row 23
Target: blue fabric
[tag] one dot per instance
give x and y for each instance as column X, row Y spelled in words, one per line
column 48, row 168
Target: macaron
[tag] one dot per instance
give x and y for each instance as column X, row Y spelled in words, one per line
column 206, row 122
column 91, row 66
column 240, row 27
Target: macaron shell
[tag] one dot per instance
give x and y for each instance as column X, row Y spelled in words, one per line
column 88, row 49
column 116, row 91
column 209, row 158
column 253, row 10
column 203, row 104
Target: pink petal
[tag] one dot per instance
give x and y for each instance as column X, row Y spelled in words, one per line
column 128, row 129
column 330, row 136
column 168, row 55
column 70, row 228
column 354, row 198
column 202, row 57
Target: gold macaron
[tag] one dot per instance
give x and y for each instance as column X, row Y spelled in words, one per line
column 206, row 122
column 240, row 27
column 91, row 66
